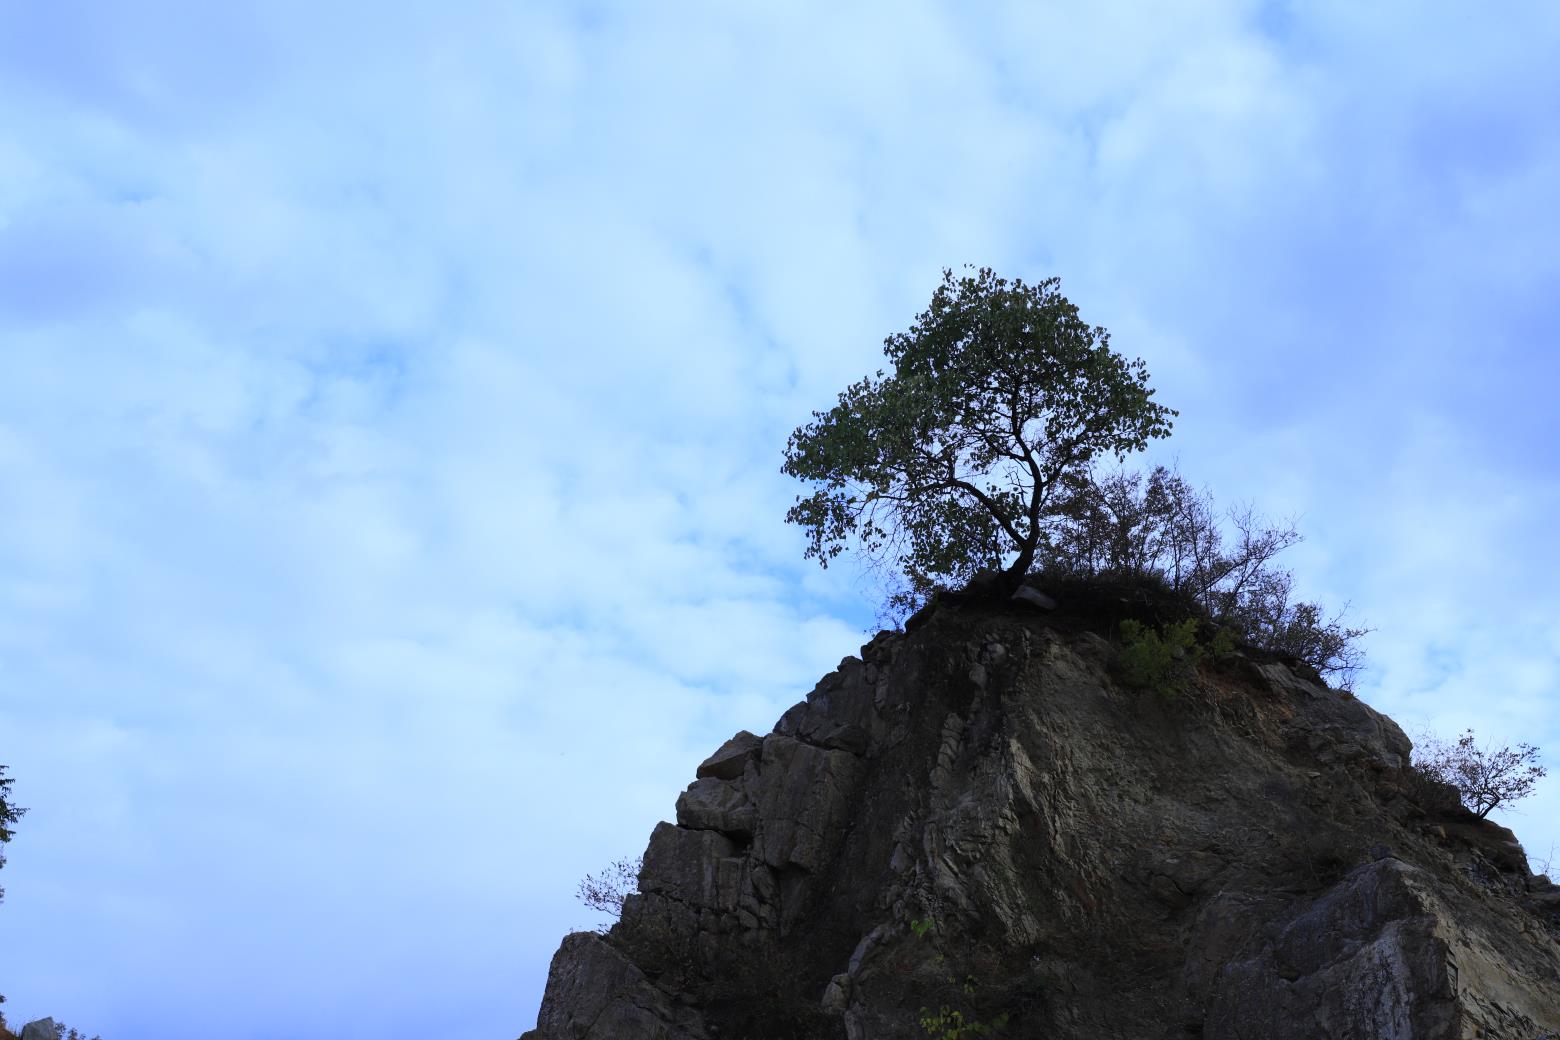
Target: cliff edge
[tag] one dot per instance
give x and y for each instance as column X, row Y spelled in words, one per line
column 974, row 827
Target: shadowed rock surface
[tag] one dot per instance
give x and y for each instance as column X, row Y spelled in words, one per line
column 975, row 822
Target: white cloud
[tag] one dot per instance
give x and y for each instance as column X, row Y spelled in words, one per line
column 394, row 399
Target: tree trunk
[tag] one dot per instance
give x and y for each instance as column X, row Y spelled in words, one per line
column 1014, row 576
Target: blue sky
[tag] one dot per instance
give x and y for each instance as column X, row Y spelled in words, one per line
column 393, row 399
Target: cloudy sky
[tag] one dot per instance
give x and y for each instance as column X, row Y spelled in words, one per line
column 393, row 396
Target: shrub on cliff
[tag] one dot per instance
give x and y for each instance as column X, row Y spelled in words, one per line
column 956, row 462
column 1485, row 777
column 606, row 891
column 1156, row 528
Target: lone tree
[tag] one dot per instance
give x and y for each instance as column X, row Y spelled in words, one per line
column 956, row 462
column 1485, row 777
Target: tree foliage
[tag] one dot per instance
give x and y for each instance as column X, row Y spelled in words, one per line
column 1158, row 660
column 1485, row 777
column 953, row 464
column 9, row 815
column 1156, row 527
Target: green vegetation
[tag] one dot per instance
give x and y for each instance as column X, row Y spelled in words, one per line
column 946, row 1022
column 980, row 454
column 1001, row 397
column 1156, row 529
column 1165, row 660
column 1161, row 661
column 9, row 815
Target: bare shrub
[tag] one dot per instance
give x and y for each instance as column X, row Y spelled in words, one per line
column 1157, row 527
column 1486, row 776
column 606, row 891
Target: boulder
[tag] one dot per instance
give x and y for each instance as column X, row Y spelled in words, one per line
column 729, row 760
column 1034, row 597
column 717, row 805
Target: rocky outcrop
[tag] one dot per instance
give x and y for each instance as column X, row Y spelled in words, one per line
column 975, row 823
column 42, row 1029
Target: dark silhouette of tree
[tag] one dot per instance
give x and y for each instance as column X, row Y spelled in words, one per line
column 1485, row 777
column 953, row 464
column 606, row 891
column 9, row 814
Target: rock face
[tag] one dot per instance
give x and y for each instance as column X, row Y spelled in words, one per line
column 42, row 1029
column 975, row 823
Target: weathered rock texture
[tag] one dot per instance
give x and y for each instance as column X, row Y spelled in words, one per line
column 975, row 819
column 42, row 1029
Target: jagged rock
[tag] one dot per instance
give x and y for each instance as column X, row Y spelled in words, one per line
column 594, row 992
column 974, row 816
column 803, row 794
column 717, row 805
column 42, row 1029
column 690, row 866
column 732, row 758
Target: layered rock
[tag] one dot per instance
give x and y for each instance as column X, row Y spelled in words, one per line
column 974, row 822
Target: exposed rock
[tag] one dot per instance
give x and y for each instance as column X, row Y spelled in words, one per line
column 974, row 818
column 1034, row 597
column 732, row 758
column 594, row 992
column 42, row 1029
column 717, row 805
column 803, row 795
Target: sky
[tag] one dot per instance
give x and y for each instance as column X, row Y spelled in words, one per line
column 394, row 394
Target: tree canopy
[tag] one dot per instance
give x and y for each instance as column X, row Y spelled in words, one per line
column 1000, row 396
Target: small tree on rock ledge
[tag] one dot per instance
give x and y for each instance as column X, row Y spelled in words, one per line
column 606, row 891
column 1484, row 777
column 954, row 464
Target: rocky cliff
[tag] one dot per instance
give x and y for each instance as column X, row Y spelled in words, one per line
column 975, row 829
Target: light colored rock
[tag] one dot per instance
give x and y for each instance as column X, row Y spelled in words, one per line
column 836, row 996
column 1034, row 597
